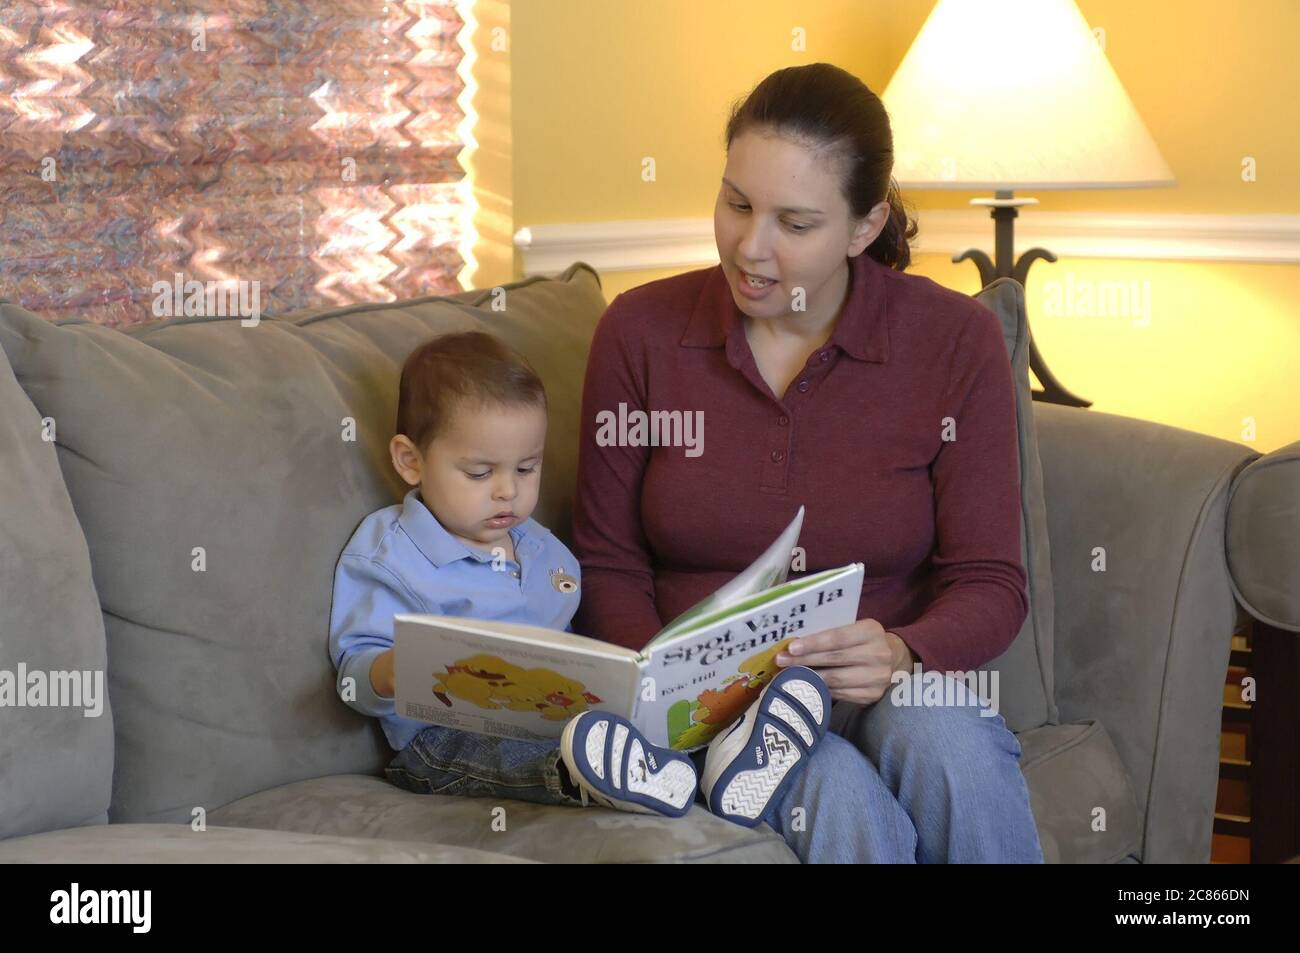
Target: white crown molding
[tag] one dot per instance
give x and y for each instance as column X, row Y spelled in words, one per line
column 688, row 242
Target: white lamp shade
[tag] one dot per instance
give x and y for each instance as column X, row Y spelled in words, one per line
column 1015, row 94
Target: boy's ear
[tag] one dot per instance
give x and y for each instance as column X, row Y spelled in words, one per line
column 406, row 459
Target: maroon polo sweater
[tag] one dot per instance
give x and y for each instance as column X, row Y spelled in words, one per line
column 862, row 438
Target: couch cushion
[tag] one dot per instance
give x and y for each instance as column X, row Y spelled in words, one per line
column 1072, row 771
column 56, row 764
column 362, row 806
column 178, row 844
column 209, row 467
column 1027, row 698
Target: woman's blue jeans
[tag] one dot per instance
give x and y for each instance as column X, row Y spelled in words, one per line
column 889, row 784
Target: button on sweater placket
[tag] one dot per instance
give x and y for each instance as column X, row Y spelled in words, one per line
column 781, row 432
column 777, row 464
column 818, row 364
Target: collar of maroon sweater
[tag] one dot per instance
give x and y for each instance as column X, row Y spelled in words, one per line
column 861, row 331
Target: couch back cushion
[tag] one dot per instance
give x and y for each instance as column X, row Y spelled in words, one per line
column 1027, row 698
column 56, row 725
column 217, row 477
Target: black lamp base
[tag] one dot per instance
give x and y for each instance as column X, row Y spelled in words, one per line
column 1003, row 209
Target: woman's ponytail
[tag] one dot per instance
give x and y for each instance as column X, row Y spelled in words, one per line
column 892, row 246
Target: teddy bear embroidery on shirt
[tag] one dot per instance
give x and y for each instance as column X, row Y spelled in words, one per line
column 563, row 582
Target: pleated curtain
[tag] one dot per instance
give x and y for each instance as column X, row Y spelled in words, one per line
column 311, row 147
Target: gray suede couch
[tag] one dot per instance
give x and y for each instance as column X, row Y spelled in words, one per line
column 175, row 497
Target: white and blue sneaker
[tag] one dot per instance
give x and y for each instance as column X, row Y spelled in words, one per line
column 613, row 764
column 748, row 767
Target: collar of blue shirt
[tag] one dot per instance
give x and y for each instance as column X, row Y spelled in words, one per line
column 441, row 548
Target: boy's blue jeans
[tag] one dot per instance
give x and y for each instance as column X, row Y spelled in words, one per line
column 888, row 784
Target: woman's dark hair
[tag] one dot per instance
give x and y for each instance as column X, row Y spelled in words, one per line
column 832, row 110
column 464, row 368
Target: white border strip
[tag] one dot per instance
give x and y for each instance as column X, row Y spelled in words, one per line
column 688, row 242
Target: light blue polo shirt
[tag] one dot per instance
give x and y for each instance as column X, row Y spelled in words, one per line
column 401, row 559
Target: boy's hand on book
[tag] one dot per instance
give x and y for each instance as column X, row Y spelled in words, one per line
column 381, row 674
column 856, row 661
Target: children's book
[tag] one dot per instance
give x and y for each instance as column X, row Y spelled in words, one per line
column 693, row 678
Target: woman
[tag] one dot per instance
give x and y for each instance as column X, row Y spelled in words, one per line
column 881, row 401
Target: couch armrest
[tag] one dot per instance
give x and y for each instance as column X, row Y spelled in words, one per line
column 1264, row 538
column 1263, row 541
column 1142, row 644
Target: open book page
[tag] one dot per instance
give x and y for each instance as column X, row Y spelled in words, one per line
column 697, row 684
column 506, row 679
column 769, row 569
column 749, row 604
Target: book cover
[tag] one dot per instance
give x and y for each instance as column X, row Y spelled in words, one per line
column 696, row 684
column 505, row 679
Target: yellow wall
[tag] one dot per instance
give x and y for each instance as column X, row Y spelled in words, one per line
column 598, row 84
column 491, row 164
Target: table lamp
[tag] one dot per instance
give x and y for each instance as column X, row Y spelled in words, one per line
column 1010, row 95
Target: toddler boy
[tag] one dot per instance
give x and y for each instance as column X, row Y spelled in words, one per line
column 471, row 430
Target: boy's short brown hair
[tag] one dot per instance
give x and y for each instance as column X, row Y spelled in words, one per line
column 463, row 367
